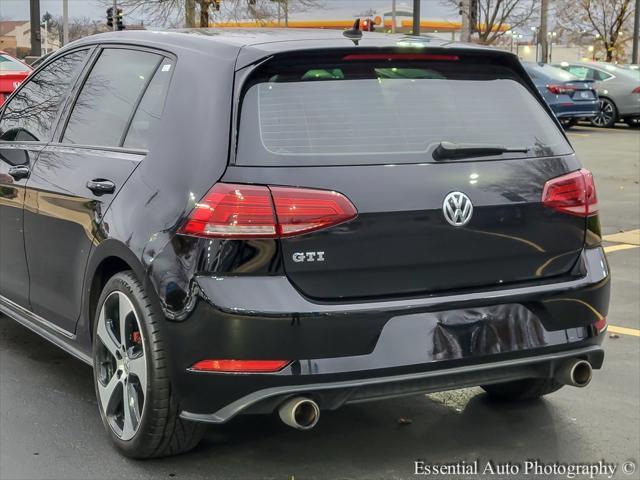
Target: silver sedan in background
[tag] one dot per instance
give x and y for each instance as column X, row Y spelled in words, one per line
column 618, row 89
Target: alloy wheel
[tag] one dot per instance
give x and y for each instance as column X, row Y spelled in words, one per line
column 121, row 366
column 605, row 114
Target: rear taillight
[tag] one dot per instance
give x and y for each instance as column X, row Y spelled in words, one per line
column 574, row 193
column 258, row 211
column 559, row 89
column 636, row 90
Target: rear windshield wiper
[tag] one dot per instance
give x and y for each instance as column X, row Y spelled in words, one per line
column 456, row 151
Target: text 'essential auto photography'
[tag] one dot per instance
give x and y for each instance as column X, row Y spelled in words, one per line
column 319, row 239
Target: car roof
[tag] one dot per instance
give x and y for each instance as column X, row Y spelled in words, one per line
column 268, row 40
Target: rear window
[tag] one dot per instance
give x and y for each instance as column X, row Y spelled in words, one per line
column 552, row 73
column 361, row 110
column 8, row 64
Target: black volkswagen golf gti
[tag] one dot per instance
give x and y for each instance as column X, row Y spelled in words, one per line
column 266, row 221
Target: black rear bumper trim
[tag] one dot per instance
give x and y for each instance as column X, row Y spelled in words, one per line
column 457, row 377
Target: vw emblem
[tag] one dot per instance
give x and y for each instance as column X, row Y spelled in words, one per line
column 457, row 209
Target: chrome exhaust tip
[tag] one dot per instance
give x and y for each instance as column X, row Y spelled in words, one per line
column 574, row 372
column 301, row 413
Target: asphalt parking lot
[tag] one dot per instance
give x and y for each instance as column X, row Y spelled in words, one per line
column 50, row 426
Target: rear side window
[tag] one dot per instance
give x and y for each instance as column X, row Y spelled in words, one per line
column 109, row 97
column 31, row 114
column 359, row 110
column 150, row 109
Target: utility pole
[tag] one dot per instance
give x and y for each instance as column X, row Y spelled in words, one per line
column 416, row 17
column 190, row 13
column 65, row 22
column 635, row 55
column 393, row 16
column 465, row 14
column 542, row 31
column 34, row 10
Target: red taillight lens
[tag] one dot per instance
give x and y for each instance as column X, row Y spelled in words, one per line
column 636, row 90
column 559, row 89
column 240, row 366
column 600, row 325
column 301, row 210
column 255, row 211
column 574, row 193
column 233, row 211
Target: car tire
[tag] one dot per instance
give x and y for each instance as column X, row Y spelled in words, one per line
column 131, row 369
column 567, row 123
column 607, row 114
column 633, row 122
column 522, row 390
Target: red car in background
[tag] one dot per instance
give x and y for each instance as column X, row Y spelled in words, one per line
column 12, row 73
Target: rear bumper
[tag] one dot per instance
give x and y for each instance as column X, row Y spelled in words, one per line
column 360, row 350
column 575, row 109
column 334, row 394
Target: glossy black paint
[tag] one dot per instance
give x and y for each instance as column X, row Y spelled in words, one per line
column 14, row 275
column 244, row 299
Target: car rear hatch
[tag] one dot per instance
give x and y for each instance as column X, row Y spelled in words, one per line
column 373, row 126
column 578, row 91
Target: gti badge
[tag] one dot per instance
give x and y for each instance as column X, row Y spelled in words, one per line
column 308, row 257
column 457, row 209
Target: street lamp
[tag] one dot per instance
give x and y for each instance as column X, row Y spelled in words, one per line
column 534, row 33
column 551, row 36
column 45, row 26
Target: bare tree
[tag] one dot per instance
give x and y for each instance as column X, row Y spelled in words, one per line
column 79, row 27
column 609, row 19
column 494, row 17
column 172, row 13
column 263, row 11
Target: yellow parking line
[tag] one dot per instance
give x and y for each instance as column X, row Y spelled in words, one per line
column 634, row 332
column 630, row 236
column 622, row 246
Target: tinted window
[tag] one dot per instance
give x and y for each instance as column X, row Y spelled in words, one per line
column 582, row 73
column 549, row 72
column 598, row 75
column 373, row 114
column 109, row 96
column 150, row 109
column 31, row 114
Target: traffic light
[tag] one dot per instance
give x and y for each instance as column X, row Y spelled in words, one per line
column 119, row 19
column 473, row 15
column 110, row 17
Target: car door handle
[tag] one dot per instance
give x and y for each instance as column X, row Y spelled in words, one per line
column 19, row 172
column 100, row 186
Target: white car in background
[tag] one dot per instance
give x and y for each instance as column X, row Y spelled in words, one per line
column 618, row 89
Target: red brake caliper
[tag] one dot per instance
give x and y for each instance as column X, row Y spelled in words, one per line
column 136, row 338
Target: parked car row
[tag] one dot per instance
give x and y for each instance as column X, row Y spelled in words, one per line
column 618, row 90
column 596, row 91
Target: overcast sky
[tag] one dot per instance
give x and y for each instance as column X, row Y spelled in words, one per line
column 19, row 9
